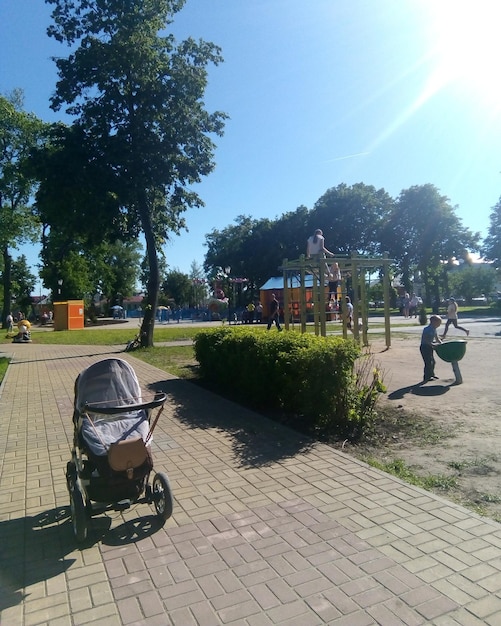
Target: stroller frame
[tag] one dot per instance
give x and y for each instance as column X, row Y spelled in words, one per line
column 120, row 422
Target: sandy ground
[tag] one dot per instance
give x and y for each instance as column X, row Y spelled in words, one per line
column 458, row 427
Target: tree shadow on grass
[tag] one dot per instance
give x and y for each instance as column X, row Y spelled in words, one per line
column 256, row 440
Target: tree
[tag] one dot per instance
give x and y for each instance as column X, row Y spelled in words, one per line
column 78, row 193
column 470, row 280
column 244, row 247
column 352, row 218
column 115, row 268
column 20, row 132
column 145, row 270
column 177, row 287
column 492, row 243
column 423, row 235
column 199, row 284
column 138, row 100
column 65, row 258
column 255, row 249
column 23, row 283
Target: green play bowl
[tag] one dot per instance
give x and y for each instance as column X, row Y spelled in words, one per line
column 451, row 351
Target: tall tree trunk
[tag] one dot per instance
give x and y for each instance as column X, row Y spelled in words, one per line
column 427, row 297
column 6, row 280
column 148, row 325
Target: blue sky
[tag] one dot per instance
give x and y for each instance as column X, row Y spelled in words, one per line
column 391, row 93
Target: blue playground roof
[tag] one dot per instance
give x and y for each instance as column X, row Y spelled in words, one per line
column 277, row 282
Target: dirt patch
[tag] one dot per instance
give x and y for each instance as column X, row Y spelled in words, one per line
column 441, row 429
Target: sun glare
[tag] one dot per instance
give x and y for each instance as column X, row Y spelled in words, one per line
column 467, row 49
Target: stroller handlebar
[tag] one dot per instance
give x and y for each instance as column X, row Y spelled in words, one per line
column 159, row 400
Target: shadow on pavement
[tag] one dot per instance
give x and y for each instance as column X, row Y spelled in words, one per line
column 33, row 549
column 256, row 440
column 19, row 361
column 132, row 531
column 419, row 390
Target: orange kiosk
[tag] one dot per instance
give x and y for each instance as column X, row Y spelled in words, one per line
column 69, row 315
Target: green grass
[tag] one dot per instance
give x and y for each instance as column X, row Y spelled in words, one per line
column 431, row 482
column 4, row 364
column 106, row 336
column 474, row 466
column 177, row 360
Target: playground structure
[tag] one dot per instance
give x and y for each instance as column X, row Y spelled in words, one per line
column 451, row 352
column 353, row 283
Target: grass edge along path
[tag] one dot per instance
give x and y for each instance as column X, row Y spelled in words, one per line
column 4, row 364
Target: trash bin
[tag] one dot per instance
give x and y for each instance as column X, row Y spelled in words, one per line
column 69, row 315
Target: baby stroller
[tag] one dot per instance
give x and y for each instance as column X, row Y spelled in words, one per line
column 111, row 458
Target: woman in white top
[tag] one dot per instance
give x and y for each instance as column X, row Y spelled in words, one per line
column 452, row 318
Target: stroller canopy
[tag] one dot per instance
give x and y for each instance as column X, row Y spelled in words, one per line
column 109, row 383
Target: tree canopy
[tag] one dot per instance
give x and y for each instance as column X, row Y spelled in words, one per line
column 352, row 218
column 492, row 243
column 137, row 96
column 469, row 281
column 423, row 234
column 419, row 230
column 20, row 132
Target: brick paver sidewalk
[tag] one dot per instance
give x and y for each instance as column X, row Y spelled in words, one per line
column 268, row 527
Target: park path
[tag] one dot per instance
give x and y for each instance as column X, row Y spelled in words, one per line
column 268, row 526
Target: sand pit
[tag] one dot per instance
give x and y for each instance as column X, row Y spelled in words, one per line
column 460, row 425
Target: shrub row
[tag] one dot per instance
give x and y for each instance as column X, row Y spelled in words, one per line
column 309, row 379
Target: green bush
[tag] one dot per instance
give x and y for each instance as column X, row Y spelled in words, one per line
column 423, row 315
column 311, row 380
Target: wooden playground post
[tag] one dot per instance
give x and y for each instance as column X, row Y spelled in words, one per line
column 386, row 298
column 364, row 312
column 302, row 293
column 287, row 311
column 317, row 269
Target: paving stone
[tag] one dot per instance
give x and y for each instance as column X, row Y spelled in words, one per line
column 309, row 537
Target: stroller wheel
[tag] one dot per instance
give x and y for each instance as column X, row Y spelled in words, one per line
column 162, row 496
column 78, row 513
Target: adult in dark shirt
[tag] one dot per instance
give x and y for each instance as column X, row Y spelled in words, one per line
column 274, row 313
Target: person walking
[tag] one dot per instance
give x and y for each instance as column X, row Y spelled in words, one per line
column 250, row 312
column 10, row 323
column 429, row 339
column 349, row 313
column 452, row 318
column 406, row 302
column 259, row 312
column 274, row 313
column 413, row 305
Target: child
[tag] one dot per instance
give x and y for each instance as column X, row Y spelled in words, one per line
column 334, row 280
column 429, row 338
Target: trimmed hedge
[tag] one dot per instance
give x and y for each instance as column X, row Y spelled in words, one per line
column 308, row 378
